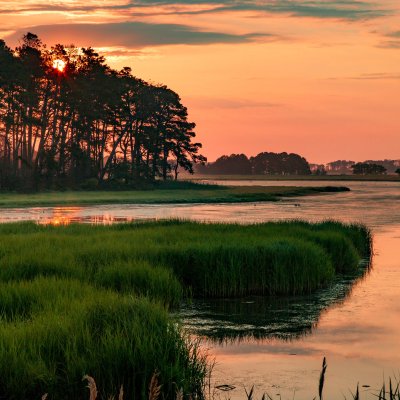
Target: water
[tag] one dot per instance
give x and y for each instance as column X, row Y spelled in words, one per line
column 278, row 345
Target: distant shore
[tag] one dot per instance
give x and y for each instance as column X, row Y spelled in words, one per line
column 200, row 194
column 384, row 178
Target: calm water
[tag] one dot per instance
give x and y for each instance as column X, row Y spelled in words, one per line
column 278, row 345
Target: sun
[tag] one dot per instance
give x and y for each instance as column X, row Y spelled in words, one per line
column 59, row 65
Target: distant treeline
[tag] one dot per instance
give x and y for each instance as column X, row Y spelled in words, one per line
column 365, row 167
column 67, row 119
column 268, row 163
column 262, row 164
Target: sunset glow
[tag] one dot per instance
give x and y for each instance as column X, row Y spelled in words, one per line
column 59, row 65
column 318, row 78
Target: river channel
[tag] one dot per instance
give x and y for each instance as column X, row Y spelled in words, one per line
column 278, row 345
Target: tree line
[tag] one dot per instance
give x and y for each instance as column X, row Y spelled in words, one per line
column 69, row 119
column 269, row 163
column 265, row 163
column 364, row 167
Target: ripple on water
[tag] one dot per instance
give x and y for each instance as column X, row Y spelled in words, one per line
column 356, row 327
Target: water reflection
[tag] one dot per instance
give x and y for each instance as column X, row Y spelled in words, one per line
column 60, row 216
column 89, row 219
column 373, row 203
column 223, row 321
column 359, row 334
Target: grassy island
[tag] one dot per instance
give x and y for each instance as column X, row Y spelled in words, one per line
column 80, row 299
column 342, row 177
column 173, row 193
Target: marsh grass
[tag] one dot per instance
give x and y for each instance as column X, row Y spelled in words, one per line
column 64, row 329
column 213, row 178
column 156, row 258
column 93, row 300
column 171, row 193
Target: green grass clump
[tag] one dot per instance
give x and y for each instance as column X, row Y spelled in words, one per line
column 239, row 269
column 158, row 258
column 140, row 278
column 92, row 300
column 163, row 193
column 62, row 329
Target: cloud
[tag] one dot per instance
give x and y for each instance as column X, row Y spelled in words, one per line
column 378, row 76
column 229, row 103
column 133, row 34
column 323, row 9
column 392, row 42
column 372, row 76
column 395, row 34
column 334, row 9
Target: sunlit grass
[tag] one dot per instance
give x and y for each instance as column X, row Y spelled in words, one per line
column 81, row 299
column 217, row 260
column 182, row 193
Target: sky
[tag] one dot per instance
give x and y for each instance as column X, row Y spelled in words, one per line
column 316, row 77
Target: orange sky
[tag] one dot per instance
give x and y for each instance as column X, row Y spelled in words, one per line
column 316, row 77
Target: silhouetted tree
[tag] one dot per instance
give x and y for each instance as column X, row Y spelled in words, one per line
column 280, row 164
column 233, row 164
column 340, row 166
column 367, row 169
column 262, row 164
column 390, row 165
column 320, row 170
column 86, row 121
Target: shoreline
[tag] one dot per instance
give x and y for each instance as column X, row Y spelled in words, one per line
column 349, row 178
column 222, row 194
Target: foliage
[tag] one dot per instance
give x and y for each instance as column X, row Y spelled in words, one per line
column 233, row 164
column 92, row 300
column 63, row 329
column 262, row 164
column 280, row 163
column 340, row 166
column 366, row 169
column 319, row 170
column 209, row 259
column 390, row 165
column 86, row 122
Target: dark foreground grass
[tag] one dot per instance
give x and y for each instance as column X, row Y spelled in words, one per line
column 54, row 331
column 81, row 299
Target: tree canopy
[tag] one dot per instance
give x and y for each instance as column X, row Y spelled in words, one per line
column 233, row 164
column 367, row 169
column 66, row 118
column 266, row 163
column 280, row 163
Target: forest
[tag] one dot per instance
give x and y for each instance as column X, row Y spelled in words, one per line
column 69, row 120
column 265, row 163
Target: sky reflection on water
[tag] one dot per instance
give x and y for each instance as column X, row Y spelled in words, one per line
column 375, row 203
column 359, row 336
